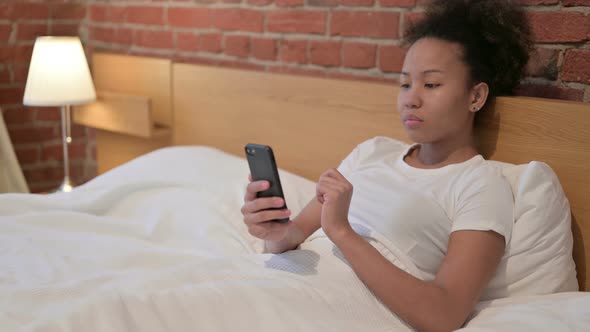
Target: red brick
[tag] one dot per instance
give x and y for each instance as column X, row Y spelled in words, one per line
column 264, row 48
column 537, row 2
column 19, row 115
column 123, row 36
column 325, row 53
column 570, row 3
column 543, row 63
column 237, row 46
column 5, row 31
column 189, row 17
column 31, row 11
column 20, row 72
column 293, row 51
column 238, row 19
column 260, row 2
column 187, row 41
column 210, row 42
column 68, row 11
column 550, row 27
column 232, row 1
column 30, row 31
column 5, row 11
column 32, row 134
column 323, row 3
column 117, row 14
column 4, row 75
column 391, row 58
column 48, row 114
column 297, row 21
column 358, row 55
column 64, row 29
column 16, row 53
column 153, row 39
column 289, row 3
column 357, row 2
column 365, row 24
column 397, row 3
column 106, row 35
column 145, row 15
column 576, row 66
column 76, row 150
column 550, row 91
column 98, row 13
column 48, row 173
column 78, row 132
column 11, row 95
column 28, row 155
column 22, row 53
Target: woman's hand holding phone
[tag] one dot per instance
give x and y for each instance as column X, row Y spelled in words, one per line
column 259, row 214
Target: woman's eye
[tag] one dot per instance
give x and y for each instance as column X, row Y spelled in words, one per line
column 404, row 86
column 431, row 85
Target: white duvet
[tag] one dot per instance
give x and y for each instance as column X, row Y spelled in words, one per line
column 158, row 245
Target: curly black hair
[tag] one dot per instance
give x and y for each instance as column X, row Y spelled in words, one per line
column 495, row 36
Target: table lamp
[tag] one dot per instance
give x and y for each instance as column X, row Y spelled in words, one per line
column 59, row 76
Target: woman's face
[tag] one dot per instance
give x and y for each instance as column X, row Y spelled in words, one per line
column 434, row 99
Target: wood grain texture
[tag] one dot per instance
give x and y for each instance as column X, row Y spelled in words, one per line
column 134, row 75
column 117, row 112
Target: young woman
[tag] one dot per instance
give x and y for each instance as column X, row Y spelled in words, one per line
column 438, row 200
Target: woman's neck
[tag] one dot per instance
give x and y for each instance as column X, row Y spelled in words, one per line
column 436, row 155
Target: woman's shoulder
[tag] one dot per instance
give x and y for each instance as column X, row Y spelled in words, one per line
column 380, row 146
column 486, row 174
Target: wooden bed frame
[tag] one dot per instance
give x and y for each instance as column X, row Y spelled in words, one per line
column 312, row 123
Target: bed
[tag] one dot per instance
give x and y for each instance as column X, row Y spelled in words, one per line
column 156, row 241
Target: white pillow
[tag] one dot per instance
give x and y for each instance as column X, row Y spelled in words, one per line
column 538, row 258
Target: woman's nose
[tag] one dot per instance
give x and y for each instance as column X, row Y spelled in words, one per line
column 412, row 98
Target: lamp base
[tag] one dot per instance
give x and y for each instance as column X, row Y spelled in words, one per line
column 66, row 186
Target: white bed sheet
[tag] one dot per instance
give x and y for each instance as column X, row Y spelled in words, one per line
column 158, row 244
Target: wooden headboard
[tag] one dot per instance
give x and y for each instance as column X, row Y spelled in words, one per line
column 312, row 123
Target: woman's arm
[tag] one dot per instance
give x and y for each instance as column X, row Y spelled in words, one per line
column 439, row 305
column 300, row 228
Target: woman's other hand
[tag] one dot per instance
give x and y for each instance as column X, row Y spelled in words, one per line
column 334, row 192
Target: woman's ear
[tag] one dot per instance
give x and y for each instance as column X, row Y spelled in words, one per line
column 479, row 96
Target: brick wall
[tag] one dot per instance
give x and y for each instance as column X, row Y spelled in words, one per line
column 36, row 131
column 332, row 38
column 353, row 39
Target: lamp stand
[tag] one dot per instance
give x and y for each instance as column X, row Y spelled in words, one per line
column 66, row 136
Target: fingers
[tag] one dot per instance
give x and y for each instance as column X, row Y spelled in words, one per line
column 263, row 203
column 266, row 216
column 253, row 188
column 334, row 173
column 331, row 181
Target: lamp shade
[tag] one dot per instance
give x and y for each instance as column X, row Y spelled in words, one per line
column 58, row 73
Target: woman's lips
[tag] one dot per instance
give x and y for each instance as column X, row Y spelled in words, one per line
column 412, row 122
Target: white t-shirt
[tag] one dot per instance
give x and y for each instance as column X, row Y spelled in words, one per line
column 417, row 209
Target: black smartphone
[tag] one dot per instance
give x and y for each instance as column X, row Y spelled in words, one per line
column 264, row 167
